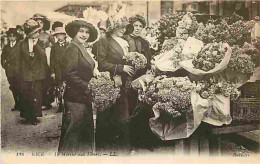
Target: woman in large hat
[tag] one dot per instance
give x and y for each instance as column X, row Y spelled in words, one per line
column 31, row 70
column 112, row 125
column 46, row 40
column 140, row 132
column 78, row 68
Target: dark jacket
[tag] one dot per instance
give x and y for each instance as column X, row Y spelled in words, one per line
column 140, row 45
column 57, row 53
column 9, row 60
column 110, row 56
column 31, row 68
column 77, row 71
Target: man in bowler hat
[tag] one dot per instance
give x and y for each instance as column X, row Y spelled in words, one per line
column 9, row 63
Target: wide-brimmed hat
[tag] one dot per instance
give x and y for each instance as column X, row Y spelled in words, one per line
column 12, row 31
column 45, row 20
column 113, row 24
column 31, row 27
column 73, row 27
column 59, row 30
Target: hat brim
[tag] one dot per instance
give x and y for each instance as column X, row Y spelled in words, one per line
column 123, row 24
column 34, row 31
column 11, row 32
column 70, row 27
column 129, row 29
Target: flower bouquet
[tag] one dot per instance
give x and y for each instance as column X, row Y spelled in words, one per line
column 169, row 60
column 104, row 92
column 242, row 64
column 187, row 26
column 138, row 61
column 171, row 101
column 213, row 58
column 167, row 26
column 208, row 88
column 168, row 95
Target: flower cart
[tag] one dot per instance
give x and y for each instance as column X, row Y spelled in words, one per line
column 192, row 113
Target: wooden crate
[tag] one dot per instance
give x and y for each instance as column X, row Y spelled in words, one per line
column 250, row 90
column 245, row 110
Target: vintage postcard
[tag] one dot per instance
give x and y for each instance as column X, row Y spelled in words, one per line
column 147, row 81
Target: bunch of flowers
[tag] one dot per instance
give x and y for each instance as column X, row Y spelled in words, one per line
column 208, row 88
column 168, row 95
column 170, row 56
column 232, row 30
column 137, row 60
column 187, row 26
column 210, row 56
column 233, row 18
column 210, row 32
column 173, row 43
column 240, row 32
column 167, row 25
column 104, row 92
column 206, row 33
column 243, row 59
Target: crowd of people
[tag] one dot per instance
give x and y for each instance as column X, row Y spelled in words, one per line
column 34, row 80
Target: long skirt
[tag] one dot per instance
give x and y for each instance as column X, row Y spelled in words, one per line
column 140, row 132
column 112, row 132
column 31, row 99
column 14, row 87
column 77, row 133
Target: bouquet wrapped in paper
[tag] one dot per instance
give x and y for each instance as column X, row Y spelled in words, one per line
column 169, row 60
column 104, row 92
column 242, row 63
column 191, row 48
column 208, row 88
column 213, row 58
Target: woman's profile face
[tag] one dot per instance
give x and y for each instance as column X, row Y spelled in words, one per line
column 119, row 32
column 35, row 35
column 40, row 22
column 138, row 28
column 82, row 35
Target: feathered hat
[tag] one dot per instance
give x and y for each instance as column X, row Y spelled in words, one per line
column 118, row 19
column 31, row 27
column 45, row 20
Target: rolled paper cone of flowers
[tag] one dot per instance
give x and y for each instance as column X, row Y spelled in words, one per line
column 191, row 48
column 169, row 60
column 188, row 65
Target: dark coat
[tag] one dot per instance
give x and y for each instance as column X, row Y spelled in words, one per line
column 57, row 53
column 140, row 45
column 31, row 68
column 9, row 60
column 110, row 56
column 77, row 72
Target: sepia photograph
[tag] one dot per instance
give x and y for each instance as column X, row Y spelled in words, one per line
column 118, row 81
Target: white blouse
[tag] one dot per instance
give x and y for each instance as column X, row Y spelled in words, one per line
column 123, row 43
